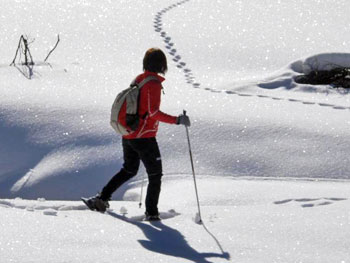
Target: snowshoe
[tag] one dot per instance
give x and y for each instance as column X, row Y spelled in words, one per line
column 149, row 217
column 95, row 203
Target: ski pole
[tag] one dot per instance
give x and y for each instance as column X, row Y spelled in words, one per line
column 142, row 180
column 193, row 173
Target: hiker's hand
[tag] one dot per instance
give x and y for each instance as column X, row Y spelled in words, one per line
column 184, row 120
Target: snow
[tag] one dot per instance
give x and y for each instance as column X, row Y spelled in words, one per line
column 253, row 220
column 271, row 156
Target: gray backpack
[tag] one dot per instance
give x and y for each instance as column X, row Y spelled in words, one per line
column 125, row 123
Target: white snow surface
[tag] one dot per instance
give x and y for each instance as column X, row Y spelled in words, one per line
column 271, row 156
column 247, row 220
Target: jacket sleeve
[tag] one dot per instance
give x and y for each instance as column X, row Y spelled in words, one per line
column 153, row 100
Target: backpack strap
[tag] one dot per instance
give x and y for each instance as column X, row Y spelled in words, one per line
column 133, row 83
column 140, row 85
column 143, row 82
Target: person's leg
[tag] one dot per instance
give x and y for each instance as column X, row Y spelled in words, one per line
column 129, row 170
column 153, row 192
column 149, row 153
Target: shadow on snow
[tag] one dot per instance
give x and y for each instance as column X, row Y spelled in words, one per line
column 168, row 241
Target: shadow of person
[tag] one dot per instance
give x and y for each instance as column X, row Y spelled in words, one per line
column 168, row 241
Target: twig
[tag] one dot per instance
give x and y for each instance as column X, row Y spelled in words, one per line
column 58, row 40
column 27, row 50
column 19, row 46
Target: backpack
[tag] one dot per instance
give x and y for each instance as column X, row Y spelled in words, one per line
column 124, row 114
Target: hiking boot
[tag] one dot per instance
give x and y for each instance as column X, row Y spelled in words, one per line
column 101, row 205
column 95, row 203
column 149, row 217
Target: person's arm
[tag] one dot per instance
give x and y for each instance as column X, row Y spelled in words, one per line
column 153, row 100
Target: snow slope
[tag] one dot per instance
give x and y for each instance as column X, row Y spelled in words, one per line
column 271, row 156
column 55, row 132
column 247, row 220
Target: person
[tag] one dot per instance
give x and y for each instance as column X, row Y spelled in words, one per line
column 141, row 145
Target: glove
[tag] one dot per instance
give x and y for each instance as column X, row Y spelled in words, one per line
column 184, row 120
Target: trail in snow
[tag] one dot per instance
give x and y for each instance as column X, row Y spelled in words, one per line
column 170, row 45
column 285, row 81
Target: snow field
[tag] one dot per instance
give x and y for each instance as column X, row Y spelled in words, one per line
column 253, row 220
column 58, row 120
column 271, row 156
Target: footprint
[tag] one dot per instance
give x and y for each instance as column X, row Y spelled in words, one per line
column 339, row 108
column 50, row 212
column 325, row 105
column 307, row 201
column 336, row 199
column 307, row 205
column 282, row 201
column 325, row 203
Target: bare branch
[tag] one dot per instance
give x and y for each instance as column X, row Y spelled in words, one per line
column 23, row 46
column 58, row 40
column 19, row 46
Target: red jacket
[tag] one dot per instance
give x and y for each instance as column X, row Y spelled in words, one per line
column 149, row 104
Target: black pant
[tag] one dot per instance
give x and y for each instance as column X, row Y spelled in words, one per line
column 146, row 150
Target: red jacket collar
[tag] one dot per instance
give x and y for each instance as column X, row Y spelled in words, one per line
column 149, row 73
